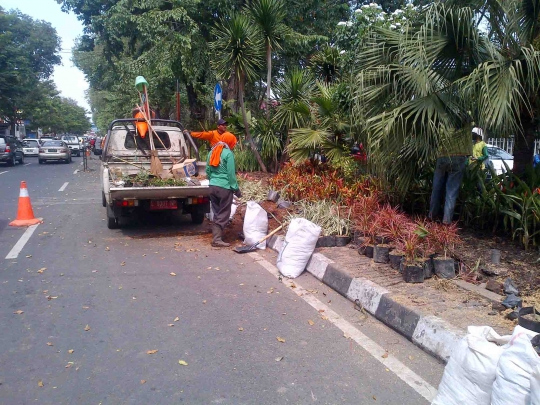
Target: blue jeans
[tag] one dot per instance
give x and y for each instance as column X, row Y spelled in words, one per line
column 448, row 176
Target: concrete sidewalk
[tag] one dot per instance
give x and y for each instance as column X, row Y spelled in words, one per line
column 433, row 315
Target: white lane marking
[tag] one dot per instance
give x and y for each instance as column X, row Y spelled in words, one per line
column 64, row 186
column 76, row 171
column 14, row 253
column 28, row 164
column 398, row 368
column 3, row 172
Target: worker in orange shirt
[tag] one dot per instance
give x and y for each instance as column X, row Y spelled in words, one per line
column 211, row 136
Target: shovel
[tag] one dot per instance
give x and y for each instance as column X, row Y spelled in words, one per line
column 247, row 249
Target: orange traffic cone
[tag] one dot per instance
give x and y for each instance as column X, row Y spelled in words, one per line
column 25, row 213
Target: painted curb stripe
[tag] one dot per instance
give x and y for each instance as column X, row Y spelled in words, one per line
column 408, row 376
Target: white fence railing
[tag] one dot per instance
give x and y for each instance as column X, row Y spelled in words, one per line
column 508, row 144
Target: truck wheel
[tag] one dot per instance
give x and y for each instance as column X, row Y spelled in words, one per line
column 22, row 160
column 112, row 222
column 103, row 199
column 197, row 217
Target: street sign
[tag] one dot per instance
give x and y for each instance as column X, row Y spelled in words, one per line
column 217, row 97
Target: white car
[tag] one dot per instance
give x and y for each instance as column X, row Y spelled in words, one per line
column 496, row 158
column 31, row 147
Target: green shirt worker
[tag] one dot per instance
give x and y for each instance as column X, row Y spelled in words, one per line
column 221, row 171
column 480, row 151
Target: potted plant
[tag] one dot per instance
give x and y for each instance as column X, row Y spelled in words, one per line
column 392, row 224
column 428, row 248
column 362, row 215
column 529, row 318
column 409, row 243
column 444, row 238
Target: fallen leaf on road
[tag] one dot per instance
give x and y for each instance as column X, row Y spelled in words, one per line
column 182, row 363
column 49, row 344
column 279, row 358
column 143, row 381
column 172, row 274
column 385, row 355
column 324, row 318
column 311, row 322
column 144, row 255
column 321, row 310
column 40, row 383
column 87, row 328
column 85, row 307
column 204, row 302
column 152, row 351
column 70, row 351
column 279, row 339
column 374, row 398
column 94, row 271
column 107, row 248
column 123, row 264
column 170, row 324
column 241, row 329
column 28, row 255
column 209, row 268
column 411, row 357
column 176, row 319
column 293, row 285
column 42, row 270
column 18, row 312
column 68, row 365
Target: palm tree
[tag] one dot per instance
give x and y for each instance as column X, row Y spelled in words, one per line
column 326, row 63
column 293, row 111
column 238, row 53
column 268, row 15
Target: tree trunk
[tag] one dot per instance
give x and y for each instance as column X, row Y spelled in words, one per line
column 246, row 126
column 268, row 77
column 285, row 154
column 197, row 110
column 230, row 92
column 524, row 146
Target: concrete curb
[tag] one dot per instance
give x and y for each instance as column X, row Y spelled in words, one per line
column 432, row 334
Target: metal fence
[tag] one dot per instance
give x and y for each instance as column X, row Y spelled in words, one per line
column 508, row 144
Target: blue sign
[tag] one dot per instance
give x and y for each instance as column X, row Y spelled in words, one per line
column 217, row 97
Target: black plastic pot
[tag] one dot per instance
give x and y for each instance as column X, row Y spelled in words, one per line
column 342, row 241
column 369, row 251
column 444, row 268
column 527, row 323
column 395, row 257
column 429, row 268
column 362, row 249
column 358, row 237
column 273, row 195
column 413, row 273
column 326, row 241
column 381, row 253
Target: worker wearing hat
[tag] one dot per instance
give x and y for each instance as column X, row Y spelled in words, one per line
column 220, row 168
column 212, row 136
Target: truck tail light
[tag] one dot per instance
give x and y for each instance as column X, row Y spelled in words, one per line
column 127, row 203
column 197, row 200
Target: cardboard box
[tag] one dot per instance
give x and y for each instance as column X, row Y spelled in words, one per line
column 187, row 168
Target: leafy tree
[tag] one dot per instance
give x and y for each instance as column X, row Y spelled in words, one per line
column 238, row 48
column 28, row 54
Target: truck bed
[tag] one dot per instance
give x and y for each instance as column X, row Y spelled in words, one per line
column 158, row 193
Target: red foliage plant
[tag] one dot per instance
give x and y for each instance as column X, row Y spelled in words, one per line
column 363, row 212
column 443, row 237
column 391, row 222
column 410, row 243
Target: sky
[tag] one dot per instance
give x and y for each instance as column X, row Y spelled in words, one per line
column 69, row 80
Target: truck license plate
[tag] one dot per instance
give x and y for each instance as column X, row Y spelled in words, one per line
column 163, row 204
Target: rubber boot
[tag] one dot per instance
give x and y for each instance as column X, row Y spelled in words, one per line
column 217, row 234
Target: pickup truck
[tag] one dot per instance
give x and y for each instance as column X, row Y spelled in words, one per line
column 126, row 158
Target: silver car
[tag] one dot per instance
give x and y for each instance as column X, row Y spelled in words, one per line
column 54, row 150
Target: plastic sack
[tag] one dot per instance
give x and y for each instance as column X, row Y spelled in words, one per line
column 298, row 247
column 255, row 224
column 513, row 382
column 535, row 386
column 469, row 375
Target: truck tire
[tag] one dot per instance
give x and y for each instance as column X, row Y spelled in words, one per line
column 112, row 221
column 103, row 199
column 21, row 161
column 197, row 217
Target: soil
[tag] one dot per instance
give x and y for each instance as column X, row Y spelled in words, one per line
column 531, row 317
column 520, row 265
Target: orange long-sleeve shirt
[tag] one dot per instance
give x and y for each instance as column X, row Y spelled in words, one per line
column 211, row 136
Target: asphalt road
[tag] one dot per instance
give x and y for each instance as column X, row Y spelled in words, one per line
column 105, row 322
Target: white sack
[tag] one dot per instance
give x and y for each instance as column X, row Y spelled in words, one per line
column 299, row 244
column 469, row 375
column 535, row 386
column 255, row 224
column 513, row 383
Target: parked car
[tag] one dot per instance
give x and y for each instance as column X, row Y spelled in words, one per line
column 97, row 146
column 73, row 144
column 11, row 150
column 496, row 158
column 54, row 150
column 31, row 147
